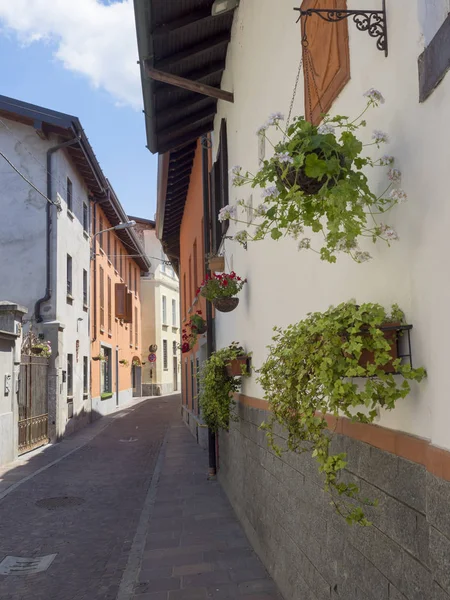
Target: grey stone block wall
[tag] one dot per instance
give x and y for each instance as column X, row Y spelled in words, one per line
column 196, row 426
column 309, row 550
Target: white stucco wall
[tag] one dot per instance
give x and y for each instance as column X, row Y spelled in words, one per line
column 23, row 250
column 22, row 215
column 285, row 284
column 432, row 14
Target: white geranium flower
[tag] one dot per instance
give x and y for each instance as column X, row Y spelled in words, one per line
column 389, row 232
column 274, row 119
column 394, row 174
column 374, row 96
column 227, row 212
column 379, row 136
column 270, row 192
column 386, row 160
column 326, row 128
column 398, row 195
column 361, row 257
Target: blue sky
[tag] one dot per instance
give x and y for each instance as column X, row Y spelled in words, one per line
column 33, row 72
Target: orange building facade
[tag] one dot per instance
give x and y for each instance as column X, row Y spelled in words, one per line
column 192, row 273
column 116, row 268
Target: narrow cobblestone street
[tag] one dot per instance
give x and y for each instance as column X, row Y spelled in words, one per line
column 130, row 516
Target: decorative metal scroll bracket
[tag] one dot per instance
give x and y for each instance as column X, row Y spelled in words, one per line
column 372, row 21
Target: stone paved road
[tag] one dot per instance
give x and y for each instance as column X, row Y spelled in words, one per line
column 173, row 538
column 91, row 540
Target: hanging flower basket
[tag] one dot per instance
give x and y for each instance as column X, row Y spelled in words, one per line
column 197, row 323
column 124, row 362
column 37, row 349
column 222, row 290
column 216, row 264
column 308, row 185
column 225, row 304
column 238, row 366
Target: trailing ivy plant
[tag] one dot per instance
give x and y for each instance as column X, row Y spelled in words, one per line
column 217, row 388
column 315, row 368
column 316, row 182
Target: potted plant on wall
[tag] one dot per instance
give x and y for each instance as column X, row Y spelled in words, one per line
column 315, row 182
column 313, row 371
column 42, row 349
column 136, row 362
column 221, row 290
column 102, row 357
column 124, row 362
column 217, row 388
column 197, row 323
column 240, row 364
column 216, row 263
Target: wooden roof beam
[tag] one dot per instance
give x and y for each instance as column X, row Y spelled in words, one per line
column 189, row 122
column 192, row 18
column 184, row 139
column 208, row 45
column 187, row 84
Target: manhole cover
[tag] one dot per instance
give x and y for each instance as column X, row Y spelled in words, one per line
column 60, row 502
column 15, row 565
column 128, row 440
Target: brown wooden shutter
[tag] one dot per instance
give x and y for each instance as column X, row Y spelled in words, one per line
column 121, row 300
column 128, row 318
column 330, row 57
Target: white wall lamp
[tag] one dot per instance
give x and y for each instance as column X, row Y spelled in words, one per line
column 221, row 7
column 118, row 227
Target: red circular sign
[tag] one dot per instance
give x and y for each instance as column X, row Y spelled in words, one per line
column 152, row 358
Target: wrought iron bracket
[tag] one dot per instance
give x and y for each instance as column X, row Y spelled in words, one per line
column 372, row 21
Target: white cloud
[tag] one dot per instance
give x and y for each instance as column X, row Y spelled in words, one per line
column 94, row 39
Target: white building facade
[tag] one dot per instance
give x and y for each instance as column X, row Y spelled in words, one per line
column 160, row 318
column 45, row 242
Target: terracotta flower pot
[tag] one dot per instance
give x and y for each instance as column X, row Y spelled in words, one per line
column 216, row 263
column 225, row 304
column 234, row 368
column 391, row 336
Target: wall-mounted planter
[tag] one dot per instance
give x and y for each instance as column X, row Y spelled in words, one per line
column 37, row 350
column 225, row 304
column 239, row 366
column 216, row 264
column 392, row 333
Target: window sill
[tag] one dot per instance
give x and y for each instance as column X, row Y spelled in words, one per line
column 86, row 396
column 69, row 299
column 85, row 307
column 110, row 334
column 86, row 235
column 69, row 398
column 109, row 263
column 102, row 330
column 174, row 328
column 70, row 214
column 131, row 345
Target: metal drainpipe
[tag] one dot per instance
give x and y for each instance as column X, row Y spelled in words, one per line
column 94, row 295
column 206, row 144
column 48, row 289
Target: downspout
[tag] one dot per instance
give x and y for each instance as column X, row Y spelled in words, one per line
column 205, row 141
column 48, row 289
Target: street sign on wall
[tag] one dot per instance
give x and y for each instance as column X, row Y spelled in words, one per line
column 152, row 358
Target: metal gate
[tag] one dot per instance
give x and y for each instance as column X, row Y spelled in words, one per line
column 33, row 403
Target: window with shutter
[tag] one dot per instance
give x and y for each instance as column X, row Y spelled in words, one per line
column 219, row 188
column 329, row 59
